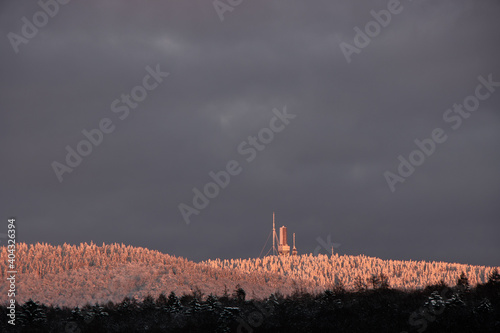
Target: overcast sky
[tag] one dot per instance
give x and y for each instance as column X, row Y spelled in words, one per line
column 348, row 111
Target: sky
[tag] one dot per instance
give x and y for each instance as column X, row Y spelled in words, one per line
column 116, row 116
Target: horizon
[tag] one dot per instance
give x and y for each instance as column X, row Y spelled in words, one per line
column 269, row 255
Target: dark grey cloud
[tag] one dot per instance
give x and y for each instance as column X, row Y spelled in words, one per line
column 323, row 174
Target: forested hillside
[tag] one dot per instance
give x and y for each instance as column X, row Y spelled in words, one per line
column 320, row 271
column 74, row 275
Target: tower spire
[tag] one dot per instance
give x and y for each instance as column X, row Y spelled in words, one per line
column 294, row 250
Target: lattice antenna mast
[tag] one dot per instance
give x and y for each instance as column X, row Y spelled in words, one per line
column 274, row 238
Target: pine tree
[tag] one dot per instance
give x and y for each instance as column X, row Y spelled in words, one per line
column 384, row 281
column 174, row 303
column 374, row 280
column 148, row 303
column 32, row 314
column 161, row 301
column 359, row 284
column 212, row 303
column 463, row 282
column 239, row 293
column 494, row 278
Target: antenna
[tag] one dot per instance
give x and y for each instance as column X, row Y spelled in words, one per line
column 274, row 237
column 294, row 250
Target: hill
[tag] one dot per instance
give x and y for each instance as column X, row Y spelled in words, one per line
column 320, row 272
column 71, row 275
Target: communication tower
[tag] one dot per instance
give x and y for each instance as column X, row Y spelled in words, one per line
column 283, row 247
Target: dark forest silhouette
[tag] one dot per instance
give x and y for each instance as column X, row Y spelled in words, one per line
column 373, row 308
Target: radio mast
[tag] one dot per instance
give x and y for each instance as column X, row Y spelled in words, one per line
column 294, row 250
column 274, row 238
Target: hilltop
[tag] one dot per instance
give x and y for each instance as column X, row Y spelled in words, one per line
column 319, row 272
column 71, row 275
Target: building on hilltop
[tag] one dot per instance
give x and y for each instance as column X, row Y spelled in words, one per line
column 283, row 247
